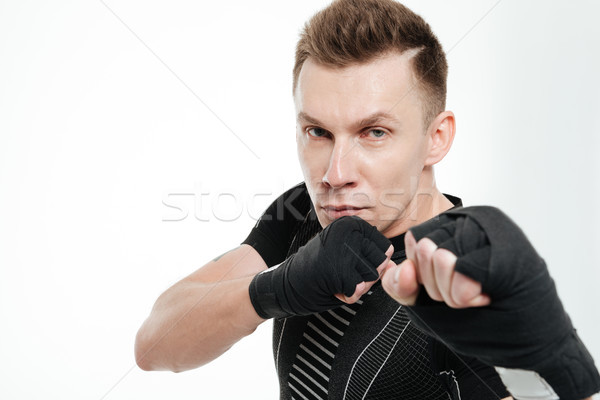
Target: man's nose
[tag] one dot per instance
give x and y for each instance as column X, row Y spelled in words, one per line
column 342, row 169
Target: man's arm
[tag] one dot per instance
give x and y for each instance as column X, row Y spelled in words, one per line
column 202, row 316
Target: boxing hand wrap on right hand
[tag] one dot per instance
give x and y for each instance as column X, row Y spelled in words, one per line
column 525, row 326
column 347, row 252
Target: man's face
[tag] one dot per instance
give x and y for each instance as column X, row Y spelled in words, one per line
column 361, row 140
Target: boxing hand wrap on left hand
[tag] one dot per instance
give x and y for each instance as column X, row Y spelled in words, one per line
column 525, row 326
column 347, row 252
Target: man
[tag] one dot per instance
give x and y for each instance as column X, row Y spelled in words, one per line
column 369, row 91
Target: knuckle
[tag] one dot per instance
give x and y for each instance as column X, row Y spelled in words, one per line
column 442, row 261
column 433, row 291
column 407, row 301
column 464, row 290
column 462, row 297
column 423, row 252
column 435, row 295
column 453, row 304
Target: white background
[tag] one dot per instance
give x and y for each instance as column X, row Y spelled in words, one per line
column 105, row 115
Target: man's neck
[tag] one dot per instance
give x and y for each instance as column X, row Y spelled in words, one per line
column 437, row 204
column 427, row 202
column 423, row 207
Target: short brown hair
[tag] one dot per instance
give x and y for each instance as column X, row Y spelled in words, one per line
column 356, row 31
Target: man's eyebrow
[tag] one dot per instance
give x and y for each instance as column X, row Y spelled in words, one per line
column 372, row 119
column 304, row 117
column 377, row 117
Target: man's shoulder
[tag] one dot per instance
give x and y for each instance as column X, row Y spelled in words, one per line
column 297, row 191
column 276, row 228
column 294, row 204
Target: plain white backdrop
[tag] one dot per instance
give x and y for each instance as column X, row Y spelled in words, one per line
column 139, row 140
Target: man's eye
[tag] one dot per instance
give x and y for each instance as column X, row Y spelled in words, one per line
column 317, row 132
column 377, row 133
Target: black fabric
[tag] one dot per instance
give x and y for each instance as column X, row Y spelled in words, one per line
column 347, row 252
column 525, row 326
column 417, row 367
column 272, row 234
column 477, row 380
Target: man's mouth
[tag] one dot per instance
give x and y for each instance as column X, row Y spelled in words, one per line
column 336, row 211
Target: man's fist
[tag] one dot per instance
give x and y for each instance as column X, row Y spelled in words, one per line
column 346, row 253
column 524, row 326
column 428, row 267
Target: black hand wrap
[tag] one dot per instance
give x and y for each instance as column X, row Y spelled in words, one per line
column 525, row 326
column 347, row 252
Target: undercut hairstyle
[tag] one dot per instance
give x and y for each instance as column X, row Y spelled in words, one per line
column 351, row 32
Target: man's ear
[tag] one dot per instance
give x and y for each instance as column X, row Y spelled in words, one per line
column 441, row 134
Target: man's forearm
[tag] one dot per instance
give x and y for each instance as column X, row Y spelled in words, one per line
column 193, row 323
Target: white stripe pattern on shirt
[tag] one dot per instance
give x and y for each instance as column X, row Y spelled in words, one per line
column 309, row 377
